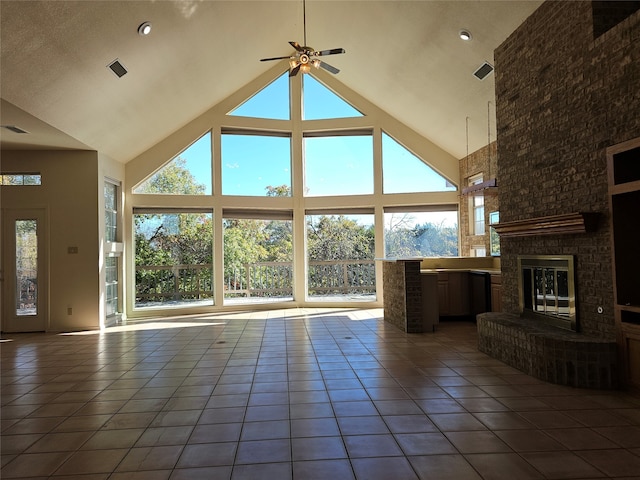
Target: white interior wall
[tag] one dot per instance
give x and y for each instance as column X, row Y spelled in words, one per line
column 69, row 194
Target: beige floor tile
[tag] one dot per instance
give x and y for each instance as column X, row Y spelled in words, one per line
column 529, row 440
column 157, row 436
column 560, row 465
column 440, row 405
column 323, row 470
column 615, row 463
column 444, row 467
column 425, row 444
column 34, row 464
column 270, row 429
column 92, row 461
column 502, row 466
column 455, row 422
column 317, row 448
column 150, row 458
column 503, row 420
column 141, row 475
column 359, row 446
column 365, row 425
column 625, row 436
column 59, row 442
column 409, row 423
column 265, row 470
column 302, row 394
column 112, row 439
column 264, row 451
column 581, row 439
column 383, row 468
column 215, row 433
column 202, row 473
column 477, row 442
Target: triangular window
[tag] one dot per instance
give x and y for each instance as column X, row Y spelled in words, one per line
column 403, row 172
column 270, row 102
column 320, row 103
column 188, row 173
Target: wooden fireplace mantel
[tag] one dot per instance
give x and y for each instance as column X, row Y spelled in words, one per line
column 571, row 223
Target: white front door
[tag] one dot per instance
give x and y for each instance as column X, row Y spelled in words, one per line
column 25, row 290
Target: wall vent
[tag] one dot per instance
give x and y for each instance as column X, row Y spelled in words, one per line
column 13, row 128
column 117, row 68
column 483, row 71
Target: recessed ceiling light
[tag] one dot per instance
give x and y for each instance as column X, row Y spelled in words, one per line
column 144, row 28
column 465, row 35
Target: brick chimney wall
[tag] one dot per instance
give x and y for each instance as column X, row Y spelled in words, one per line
column 563, row 97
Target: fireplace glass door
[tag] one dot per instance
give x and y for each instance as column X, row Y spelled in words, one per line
column 547, row 289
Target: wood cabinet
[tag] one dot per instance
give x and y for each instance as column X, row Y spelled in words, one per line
column 443, row 294
column 623, row 165
column 496, row 292
column 453, row 293
column 430, row 314
column 480, row 290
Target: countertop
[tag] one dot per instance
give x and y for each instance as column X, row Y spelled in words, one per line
column 492, row 271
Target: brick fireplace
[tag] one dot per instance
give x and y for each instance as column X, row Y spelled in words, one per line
column 566, row 90
column 542, row 337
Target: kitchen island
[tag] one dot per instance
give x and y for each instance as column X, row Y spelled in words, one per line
column 418, row 291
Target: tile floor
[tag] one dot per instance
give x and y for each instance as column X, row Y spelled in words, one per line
column 301, row 393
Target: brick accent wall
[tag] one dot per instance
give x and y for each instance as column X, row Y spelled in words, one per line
column 403, row 295
column 484, row 161
column 561, row 99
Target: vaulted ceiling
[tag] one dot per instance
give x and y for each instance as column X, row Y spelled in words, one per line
column 404, row 56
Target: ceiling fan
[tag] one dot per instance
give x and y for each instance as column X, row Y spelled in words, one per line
column 306, row 57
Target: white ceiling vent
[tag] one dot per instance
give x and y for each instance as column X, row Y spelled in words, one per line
column 483, row 71
column 117, row 68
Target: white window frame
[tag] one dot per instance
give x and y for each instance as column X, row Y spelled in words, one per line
column 476, row 207
column 115, row 248
column 218, row 121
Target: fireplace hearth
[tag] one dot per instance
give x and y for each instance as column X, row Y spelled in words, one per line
column 543, row 340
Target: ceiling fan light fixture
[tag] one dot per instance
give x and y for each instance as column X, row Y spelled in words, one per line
column 304, row 56
column 144, row 29
column 465, row 35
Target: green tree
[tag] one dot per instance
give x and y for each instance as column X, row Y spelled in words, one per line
column 173, row 178
column 172, row 239
column 278, row 191
column 403, row 239
column 243, row 244
column 337, row 237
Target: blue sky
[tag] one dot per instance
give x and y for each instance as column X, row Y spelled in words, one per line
column 334, row 165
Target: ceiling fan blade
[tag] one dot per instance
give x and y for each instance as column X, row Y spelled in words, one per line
column 333, row 51
column 328, row 68
column 297, row 46
column 273, row 58
column 294, row 71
